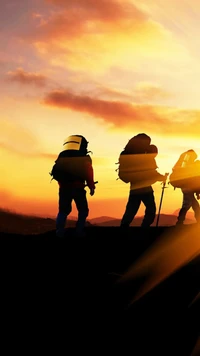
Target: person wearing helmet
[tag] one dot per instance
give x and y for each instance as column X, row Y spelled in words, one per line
column 73, row 171
column 189, row 170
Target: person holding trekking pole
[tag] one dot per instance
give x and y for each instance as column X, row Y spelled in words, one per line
column 143, row 174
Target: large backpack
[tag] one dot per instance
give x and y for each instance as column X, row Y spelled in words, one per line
column 183, row 171
column 131, row 159
column 71, row 162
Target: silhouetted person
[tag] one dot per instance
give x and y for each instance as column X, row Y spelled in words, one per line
column 144, row 174
column 74, row 170
column 187, row 173
column 189, row 201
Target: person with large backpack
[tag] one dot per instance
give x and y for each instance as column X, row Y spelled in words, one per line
column 186, row 176
column 73, row 171
column 137, row 166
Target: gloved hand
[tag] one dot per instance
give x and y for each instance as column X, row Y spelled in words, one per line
column 92, row 190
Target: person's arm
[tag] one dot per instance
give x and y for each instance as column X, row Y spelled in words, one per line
column 90, row 176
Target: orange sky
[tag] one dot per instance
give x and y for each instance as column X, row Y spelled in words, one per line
column 104, row 69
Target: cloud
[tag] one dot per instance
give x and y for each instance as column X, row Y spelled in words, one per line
column 106, row 92
column 77, row 18
column 143, row 93
column 102, row 10
column 125, row 114
column 146, row 92
column 85, row 38
column 27, row 78
column 95, row 107
column 2, row 63
column 88, row 35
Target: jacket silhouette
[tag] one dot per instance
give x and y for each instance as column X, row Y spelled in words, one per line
column 186, row 176
column 143, row 175
column 76, row 165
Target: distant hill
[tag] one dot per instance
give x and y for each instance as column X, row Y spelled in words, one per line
column 101, row 219
column 190, row 214
column 164, row 220
column 12, row 222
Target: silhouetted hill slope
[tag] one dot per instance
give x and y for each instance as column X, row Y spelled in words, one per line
column 48, row 282
column 190, row 214
column 101, row 219
column 12, row 222
column 164, row 220
column 25, row 224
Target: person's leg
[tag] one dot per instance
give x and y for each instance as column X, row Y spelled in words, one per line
column 82, row 207
column 64, row 209
column 186, row 205
column 196, row 208
column 150, row 209
column 131, row 210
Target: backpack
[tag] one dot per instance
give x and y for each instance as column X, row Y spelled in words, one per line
column 70, row 164
column 131, row 158
column 183, row 170
column 138, row 144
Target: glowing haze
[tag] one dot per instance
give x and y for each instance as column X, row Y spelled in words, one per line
column 104, row 69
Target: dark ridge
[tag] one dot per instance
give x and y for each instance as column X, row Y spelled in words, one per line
column 50, row 282
column 12, row 222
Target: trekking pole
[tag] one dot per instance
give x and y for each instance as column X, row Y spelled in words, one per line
column 161, row 199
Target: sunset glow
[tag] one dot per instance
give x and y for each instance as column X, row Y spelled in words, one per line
column 103, row 69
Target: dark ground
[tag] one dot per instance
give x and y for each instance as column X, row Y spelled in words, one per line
column 64, row 292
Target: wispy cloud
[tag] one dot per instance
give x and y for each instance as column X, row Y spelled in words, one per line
column 147, row 92
column 125, row 114
column 72, row 18
column 27, row 78
column 144, row 92
column 103, row 91
column 103, row 33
